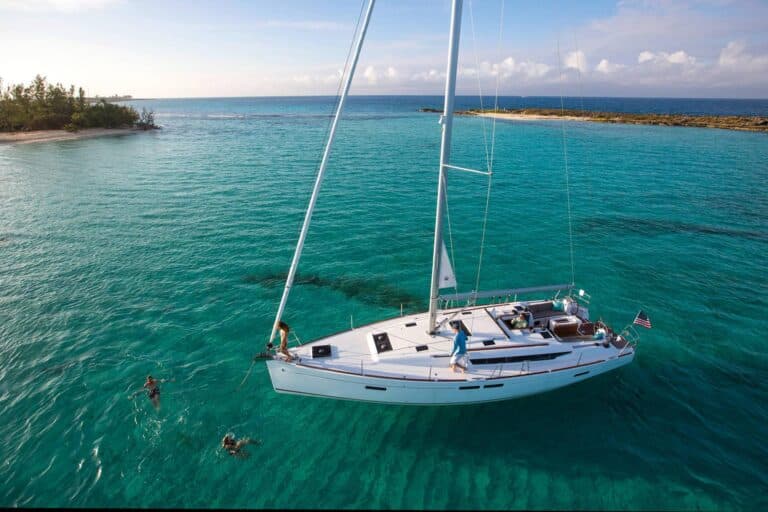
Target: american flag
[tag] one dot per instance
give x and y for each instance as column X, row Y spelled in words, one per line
column 642, row 319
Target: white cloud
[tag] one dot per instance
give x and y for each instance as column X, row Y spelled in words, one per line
column 510, row 67
column 644, row 57
column 607, row 67
column 576, row 60
column 680, row 57
column 430, row 76
column 735, row 58
column 663, row 58
column 371, row 75
column 53, row 5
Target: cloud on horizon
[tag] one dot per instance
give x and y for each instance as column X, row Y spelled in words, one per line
column 649, row 69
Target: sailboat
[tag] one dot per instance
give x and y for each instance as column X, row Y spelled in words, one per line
column 519, row 341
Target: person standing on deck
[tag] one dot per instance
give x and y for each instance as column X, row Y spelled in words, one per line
column 284, row 330
column 459, row 352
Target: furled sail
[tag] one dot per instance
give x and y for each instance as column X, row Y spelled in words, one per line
column 447, row 277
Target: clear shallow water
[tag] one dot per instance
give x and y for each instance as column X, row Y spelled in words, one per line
column 164, row 253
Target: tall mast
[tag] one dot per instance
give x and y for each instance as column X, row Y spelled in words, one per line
column 445, row 153
column 321, row 173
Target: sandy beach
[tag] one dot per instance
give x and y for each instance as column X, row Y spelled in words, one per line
column 531, row 117
column 59, row 135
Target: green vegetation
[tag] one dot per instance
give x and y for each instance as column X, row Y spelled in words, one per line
column 745, row 123
column 43, row 106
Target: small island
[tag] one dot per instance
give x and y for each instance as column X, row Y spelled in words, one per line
column 745, row 123
column 46, row 112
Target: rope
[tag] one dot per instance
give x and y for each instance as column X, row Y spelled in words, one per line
column 565, row 159
column 489, row 160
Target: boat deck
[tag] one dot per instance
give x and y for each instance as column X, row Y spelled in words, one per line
column 401, row 348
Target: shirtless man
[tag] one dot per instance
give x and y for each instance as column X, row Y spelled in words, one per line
column 153, row 389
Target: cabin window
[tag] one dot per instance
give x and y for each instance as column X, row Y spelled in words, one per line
column 518, row 359
column 382, row 342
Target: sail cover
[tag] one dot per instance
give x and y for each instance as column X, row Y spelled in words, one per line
column 447, row 278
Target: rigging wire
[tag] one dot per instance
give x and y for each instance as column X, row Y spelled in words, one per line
column 344, row 72
column 477, row 74
column 489, row 159
column 450, row 237
column 565, row 160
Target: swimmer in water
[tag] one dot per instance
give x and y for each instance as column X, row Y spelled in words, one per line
column 152, row 386
column 233, row 446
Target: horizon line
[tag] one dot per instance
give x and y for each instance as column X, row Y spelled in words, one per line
column 439, row 96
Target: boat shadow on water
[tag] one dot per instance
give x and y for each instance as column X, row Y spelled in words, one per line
column 653, row 227
column 375, row 292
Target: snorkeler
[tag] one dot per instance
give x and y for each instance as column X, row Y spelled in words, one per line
column 233, row 446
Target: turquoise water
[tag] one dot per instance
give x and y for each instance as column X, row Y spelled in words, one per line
column 164, row 253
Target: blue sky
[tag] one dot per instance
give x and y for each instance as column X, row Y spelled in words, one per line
column 169, row 48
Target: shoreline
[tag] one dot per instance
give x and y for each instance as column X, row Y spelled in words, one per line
column 741, row 123
column 61, row 135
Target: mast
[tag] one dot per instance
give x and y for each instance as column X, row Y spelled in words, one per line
column 321, row 172
column 446, row 121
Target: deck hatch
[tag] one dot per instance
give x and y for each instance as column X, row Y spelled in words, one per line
column 488, row 343
column 411, row 324
column 319, row 351
column 422, row 348
column 382, row 342
column 545, row 334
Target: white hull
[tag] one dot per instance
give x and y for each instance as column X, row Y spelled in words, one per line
column 300, row 380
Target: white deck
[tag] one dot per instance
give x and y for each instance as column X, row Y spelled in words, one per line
column 356, row 370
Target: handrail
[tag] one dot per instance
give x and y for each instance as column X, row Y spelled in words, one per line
column 507, row 292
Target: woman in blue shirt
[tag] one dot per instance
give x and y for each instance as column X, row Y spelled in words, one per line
column 459, row 352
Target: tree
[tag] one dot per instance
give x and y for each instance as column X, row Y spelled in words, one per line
column 44, row 106
column 146, row 119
